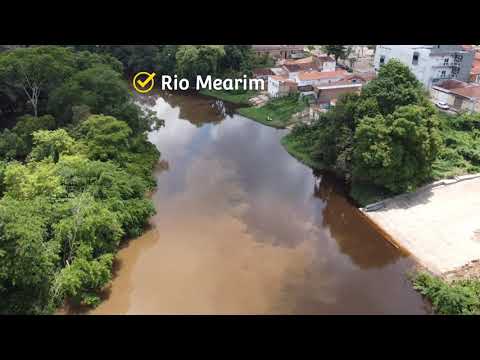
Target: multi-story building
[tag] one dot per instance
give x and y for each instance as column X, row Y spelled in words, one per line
column 431, row 64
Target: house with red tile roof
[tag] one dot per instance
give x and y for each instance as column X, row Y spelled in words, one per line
column 459, row 95
column 319, row 77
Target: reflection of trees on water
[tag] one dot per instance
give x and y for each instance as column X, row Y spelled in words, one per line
column 353, row 234
column 198, row 110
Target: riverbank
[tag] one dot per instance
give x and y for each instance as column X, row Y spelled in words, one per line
column 438, row 226
column 277, row 113
column 459, row 155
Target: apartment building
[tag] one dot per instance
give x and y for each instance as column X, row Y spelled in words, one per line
column 431, row 64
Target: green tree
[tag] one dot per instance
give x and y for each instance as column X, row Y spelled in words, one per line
column 237, row 59
column 105, row 136
column 35, row 71
column 100, row 88
column 51, row 144
column 338, row 51
column 395, row 86
column 397, row 151
column 202, row 60
column 28, row 258
column 32, row 180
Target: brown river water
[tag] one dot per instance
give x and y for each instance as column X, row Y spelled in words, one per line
column 244, row 228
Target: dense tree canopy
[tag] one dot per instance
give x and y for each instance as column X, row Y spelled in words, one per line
column 397, row 150
column 72, row 185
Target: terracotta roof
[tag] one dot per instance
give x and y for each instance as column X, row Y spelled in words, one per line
column 472, row 91
column 283, row 79
column 317, row 75
column 452, row 84
column 292, row 67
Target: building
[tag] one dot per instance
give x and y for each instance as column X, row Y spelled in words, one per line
column 280, row 86
column 279, row 51
column 459, row 95
column 313, row 62
column 475, row 72
column 431, row 64
column 315, row 78
column 329, row 93
column 263, row 74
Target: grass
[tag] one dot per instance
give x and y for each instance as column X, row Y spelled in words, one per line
column 297, row 150
column 234, row 97
column 276, row 113
column 461, row 152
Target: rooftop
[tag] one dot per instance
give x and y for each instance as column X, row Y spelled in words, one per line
column 472, row 91
column 452, row 84
column 282, row 79
column 262, row 71
column 461, row 88
column 318, row 75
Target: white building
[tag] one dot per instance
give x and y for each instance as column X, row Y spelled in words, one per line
column 431, row 64
column 280, row 86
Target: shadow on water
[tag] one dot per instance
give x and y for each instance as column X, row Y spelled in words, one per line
column 354, row 234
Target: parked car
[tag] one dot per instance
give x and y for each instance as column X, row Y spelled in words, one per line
column 442, row 105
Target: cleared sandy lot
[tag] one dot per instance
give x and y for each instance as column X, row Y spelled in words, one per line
column 439, row 226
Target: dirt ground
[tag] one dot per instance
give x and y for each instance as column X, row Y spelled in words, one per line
column 440, row 227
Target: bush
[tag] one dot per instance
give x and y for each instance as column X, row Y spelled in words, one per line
column 458, row 298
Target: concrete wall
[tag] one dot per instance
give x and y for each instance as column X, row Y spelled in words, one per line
column 439, row 95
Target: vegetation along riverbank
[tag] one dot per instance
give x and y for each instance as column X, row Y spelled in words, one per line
column 390, row 140
column 75, row 163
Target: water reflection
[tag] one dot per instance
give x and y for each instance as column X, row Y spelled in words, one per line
column 354, row 235
column 242, row 227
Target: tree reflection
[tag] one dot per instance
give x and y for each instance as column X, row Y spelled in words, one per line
column 353, row 234
column 198, row 110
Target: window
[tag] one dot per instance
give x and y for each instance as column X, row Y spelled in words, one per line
column 416, row 55
column 382, row 59
column 445, row 62
column 444, row 73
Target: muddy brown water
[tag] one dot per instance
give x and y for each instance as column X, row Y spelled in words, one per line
column 244, row 228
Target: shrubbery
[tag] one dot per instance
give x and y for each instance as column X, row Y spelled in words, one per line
column 461, row 297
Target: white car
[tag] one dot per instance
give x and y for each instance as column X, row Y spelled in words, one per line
column 442, row 105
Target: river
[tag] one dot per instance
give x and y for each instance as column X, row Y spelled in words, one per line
column 244, row 228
